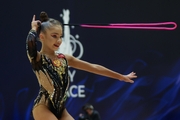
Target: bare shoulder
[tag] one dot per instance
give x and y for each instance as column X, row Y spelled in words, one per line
column 72, row 61
column 69, row 58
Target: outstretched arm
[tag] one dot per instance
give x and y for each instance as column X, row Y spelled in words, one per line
column 98, row 69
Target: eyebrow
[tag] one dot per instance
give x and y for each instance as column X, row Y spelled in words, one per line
column 56, row 33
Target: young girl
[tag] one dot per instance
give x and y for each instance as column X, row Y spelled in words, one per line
column 51, row 69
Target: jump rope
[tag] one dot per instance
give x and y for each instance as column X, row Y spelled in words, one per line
column 145, row 26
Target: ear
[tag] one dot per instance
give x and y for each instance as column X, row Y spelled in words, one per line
column 41, row 36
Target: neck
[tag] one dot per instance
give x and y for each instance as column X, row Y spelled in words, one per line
column 47, row 52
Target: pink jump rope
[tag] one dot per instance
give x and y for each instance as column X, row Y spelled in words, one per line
column 147, row 26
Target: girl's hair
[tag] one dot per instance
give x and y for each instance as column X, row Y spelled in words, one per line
column 47, row 22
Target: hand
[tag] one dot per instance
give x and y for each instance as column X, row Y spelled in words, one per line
column 35, row 23
column 128, row 77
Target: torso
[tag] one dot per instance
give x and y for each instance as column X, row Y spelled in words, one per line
column 54, row 81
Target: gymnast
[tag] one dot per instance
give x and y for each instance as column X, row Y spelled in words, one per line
column 51, row 69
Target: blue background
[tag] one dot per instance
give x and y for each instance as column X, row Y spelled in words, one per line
column 154, row 55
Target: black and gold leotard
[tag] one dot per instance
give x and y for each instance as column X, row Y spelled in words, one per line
column 52, row 77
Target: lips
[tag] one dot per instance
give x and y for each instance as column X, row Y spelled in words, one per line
column 56, row 45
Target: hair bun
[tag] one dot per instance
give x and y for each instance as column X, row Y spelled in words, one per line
column 43, row 16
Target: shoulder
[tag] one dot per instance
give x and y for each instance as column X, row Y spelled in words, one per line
column 64, row 56
column 60, row 55
column 69, row 57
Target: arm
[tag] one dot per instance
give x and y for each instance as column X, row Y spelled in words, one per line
column 31, row 45
column 98, row 69
column 31, row 42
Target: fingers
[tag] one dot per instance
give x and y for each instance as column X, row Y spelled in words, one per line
column 35, row 23
column 39, row 23
column 132, row 75
column 130, row 81
column 33, row 19
column 126, row 79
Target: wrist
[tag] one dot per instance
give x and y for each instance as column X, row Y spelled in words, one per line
column 121, row 77
column 34, row 28
column 32, row 31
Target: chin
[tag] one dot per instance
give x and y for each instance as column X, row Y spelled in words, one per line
column 55, row 49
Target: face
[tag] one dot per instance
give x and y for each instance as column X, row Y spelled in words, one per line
column 52, row 39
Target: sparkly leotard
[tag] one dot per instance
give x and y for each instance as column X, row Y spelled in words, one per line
column 53, row 78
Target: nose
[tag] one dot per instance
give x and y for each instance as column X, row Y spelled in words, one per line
column 59, row 40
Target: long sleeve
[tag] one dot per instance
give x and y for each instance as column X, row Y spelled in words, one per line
column 31, row 45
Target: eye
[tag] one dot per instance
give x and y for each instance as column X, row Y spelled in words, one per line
column 54, row 36
column 61, row 37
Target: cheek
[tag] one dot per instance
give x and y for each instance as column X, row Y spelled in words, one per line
column 50, row 40
column 60, row 41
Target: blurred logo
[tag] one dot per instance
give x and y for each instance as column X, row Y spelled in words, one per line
column 71, row 46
